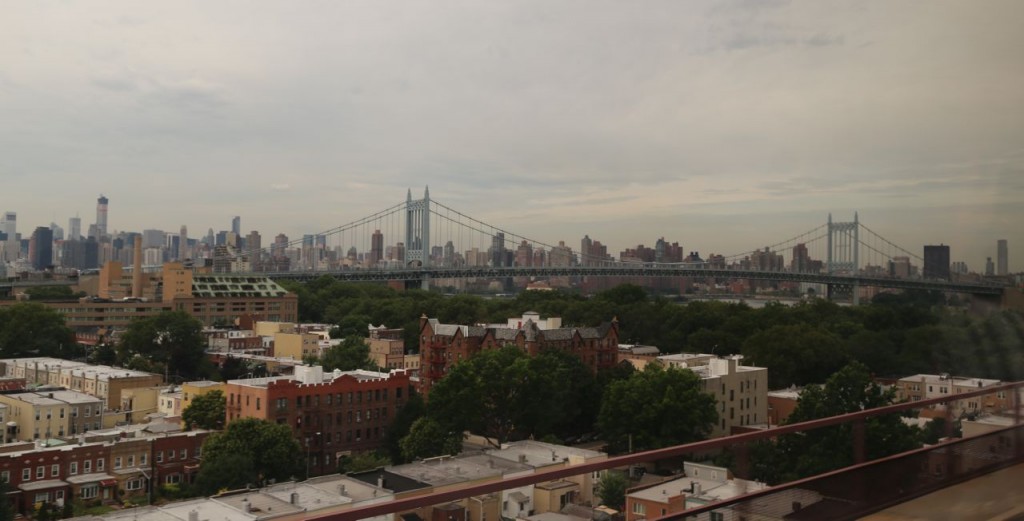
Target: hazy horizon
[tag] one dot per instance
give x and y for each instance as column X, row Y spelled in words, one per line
column 724, row 126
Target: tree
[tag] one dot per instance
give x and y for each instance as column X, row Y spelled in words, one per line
column 249, row 451
column 171, row 341
column 485, row 394
column 612, row 489
column 820, row 450
column 206, row 411
column 797, row 354
column 362, row 461
column 656, row 408
column 30, row 328
column 413, row 409
column 351, row 354
column 427, row 438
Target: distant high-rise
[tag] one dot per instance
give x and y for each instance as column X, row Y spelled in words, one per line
column 58, row 232
column 990, row 267
column 585, row 245
column 236, row 226
column 9, row 225
column 101, row 216
column 801, row 261
column 936, row 262
column 376, row 247
column 41, row 248
column 1002, row 257
column 75, row 228
column 498, row 250
column 183, row 243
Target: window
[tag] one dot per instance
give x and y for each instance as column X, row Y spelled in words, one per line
column 184, row 453
column 90, row 491
column 100, row 464
column 143, row 459
column 54, row 471
column 40, row 472
column 73, row 468
column 87, row 466
column 5, row 476
column 26, row 474
column 172, row 479
column 117, row 462
column 639, row 508
column 159, row 456
column 133, row 484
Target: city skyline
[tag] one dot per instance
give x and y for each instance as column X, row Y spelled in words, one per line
column 717, row 125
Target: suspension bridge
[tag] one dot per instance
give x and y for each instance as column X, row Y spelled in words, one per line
column 422, row 240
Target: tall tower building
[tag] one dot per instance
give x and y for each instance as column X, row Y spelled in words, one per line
column 101, row 216
column 183, row 243
column 9, row 225
column 75, row 228
column 585, row 246
column 936, row 262
column 41, row 248
column 236, row 226
column 1002, row 257
column 376, row 247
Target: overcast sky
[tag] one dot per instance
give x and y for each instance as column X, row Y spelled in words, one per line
column 721, row 125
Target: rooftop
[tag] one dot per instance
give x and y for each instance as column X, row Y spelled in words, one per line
column 540, row 454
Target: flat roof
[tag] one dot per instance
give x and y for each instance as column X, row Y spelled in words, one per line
column 354, row 489
column 445, row 470
column 540, row 454
column 256, row 503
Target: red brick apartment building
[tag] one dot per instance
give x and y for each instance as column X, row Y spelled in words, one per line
column 331, row 414
column 443, row 345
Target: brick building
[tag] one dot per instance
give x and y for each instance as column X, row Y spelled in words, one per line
column 443, row 345
column 331, row 414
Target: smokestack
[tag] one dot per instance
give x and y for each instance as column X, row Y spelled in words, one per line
column 137, row 268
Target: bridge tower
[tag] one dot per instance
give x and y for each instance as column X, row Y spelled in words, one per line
column 417, row 229
column 417, row 232
column 844, row 253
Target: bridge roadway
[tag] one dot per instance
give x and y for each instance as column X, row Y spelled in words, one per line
column 625, row 270
column 486, row 272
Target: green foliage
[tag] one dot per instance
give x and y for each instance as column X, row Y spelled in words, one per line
column 248, row 451
column 656, row 408
column 813, row 452
column 171, row 341
column 612, row 489
column 32, row 329
column 427, row 438
column 7, row 511
column 413, row 409
column 362, row 461
column 796, row 354
column 206, row 411
column 351, row 354
column 53, row 293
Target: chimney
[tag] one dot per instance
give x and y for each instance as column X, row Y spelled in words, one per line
column 341, row 489
column 696, row 489
column 137, row 268
column 294, row 498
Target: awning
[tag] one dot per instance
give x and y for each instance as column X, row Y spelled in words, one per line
column 108, row 482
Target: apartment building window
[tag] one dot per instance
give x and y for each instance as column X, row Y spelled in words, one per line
column 61, row 412
column 159, row 456
column 5, row 476
column 184, row 454
column 100, row 464
column 90, row 491
column 639, row 509
column 40, row 472
column 143, row 459
column 133, row 484
column 54, row 471
column 87, row 411
column 87, row 466
column 131, row 460
column 170, row 455
column 73, row 468
column 26, row 474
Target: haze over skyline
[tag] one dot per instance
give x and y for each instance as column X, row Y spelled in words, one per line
column 723, row 125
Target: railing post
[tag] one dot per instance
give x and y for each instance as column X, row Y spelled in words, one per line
column 859, row 452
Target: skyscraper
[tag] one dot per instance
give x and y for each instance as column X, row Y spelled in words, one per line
column 183, row 243
column 936, row 262
column 236, row 226
column 376, row 247
column 101, row 216
column 41, row 248
column 9, row 225
column 1002, row 257
column 75, row 228
column 498, row 250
